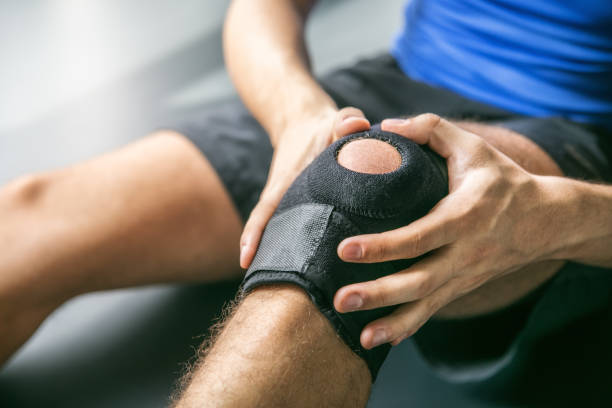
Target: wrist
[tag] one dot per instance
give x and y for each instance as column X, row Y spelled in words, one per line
column 578, row 214
column 307, row 113
column 557, row 212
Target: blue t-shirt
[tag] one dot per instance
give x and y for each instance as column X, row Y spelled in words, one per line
column 533, row 57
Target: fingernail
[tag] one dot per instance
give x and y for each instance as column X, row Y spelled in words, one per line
column 242, row 253
column 353, row 302
column 352, row 252
column 379, row 338
column 395, row 122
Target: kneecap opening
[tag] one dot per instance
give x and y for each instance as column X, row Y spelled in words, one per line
column 370, row 156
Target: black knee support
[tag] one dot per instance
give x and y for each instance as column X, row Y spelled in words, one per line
column 327, row 203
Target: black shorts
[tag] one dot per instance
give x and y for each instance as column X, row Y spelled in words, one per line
column 500, row 348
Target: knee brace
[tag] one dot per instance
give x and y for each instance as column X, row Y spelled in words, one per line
column 328, row 203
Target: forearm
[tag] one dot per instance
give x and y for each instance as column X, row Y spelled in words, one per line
column 583, row 212
column 267, row 60
column 278, row 351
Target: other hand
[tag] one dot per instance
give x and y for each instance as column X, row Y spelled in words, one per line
column 299, row 144
column 495, row 220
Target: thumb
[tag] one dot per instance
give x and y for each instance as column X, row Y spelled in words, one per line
column 349, row 120
column 439, row 134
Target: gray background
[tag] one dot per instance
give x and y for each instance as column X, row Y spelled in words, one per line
column 79, row 78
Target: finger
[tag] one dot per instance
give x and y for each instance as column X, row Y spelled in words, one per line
column 403, row 322
column 254, row 227
column 441, row 135
column 349, row 120
column 406, row 320
column 438, row 228
column 414, row 283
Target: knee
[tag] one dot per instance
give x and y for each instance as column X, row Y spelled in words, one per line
column 26, row 190
column 370, row 156
column 173, row 144
column 167, row 136
column 365, row 183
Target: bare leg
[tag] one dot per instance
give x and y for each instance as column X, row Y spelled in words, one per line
column 152, row 212
column 278, row 350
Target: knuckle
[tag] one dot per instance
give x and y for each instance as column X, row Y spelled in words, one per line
column 471, row 216
column 478, row 143
column 413, row 246
column 454, row 222
column 350, row 111
column 480, row 148
column 379, row 294
column 469, row 213
column 431, row 120
column 375, row 252
column 27, row 189
column 380, row 252
column 392, row 326
column 432, row 305
column 395, row 331
column 404, row 326
column 423, row 286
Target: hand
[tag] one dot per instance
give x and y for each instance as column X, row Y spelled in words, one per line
column 297, row 147
column 495, row 219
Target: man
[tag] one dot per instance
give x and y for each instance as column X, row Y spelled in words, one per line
column 501, row 237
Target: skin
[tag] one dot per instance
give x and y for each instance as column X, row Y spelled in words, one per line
column 84, row 241
column 369, row 156
column 278, row 350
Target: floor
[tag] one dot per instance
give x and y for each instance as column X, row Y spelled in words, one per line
column 81, row 78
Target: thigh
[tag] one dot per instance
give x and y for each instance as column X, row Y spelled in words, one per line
column 237, row 148
column 153, row 211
